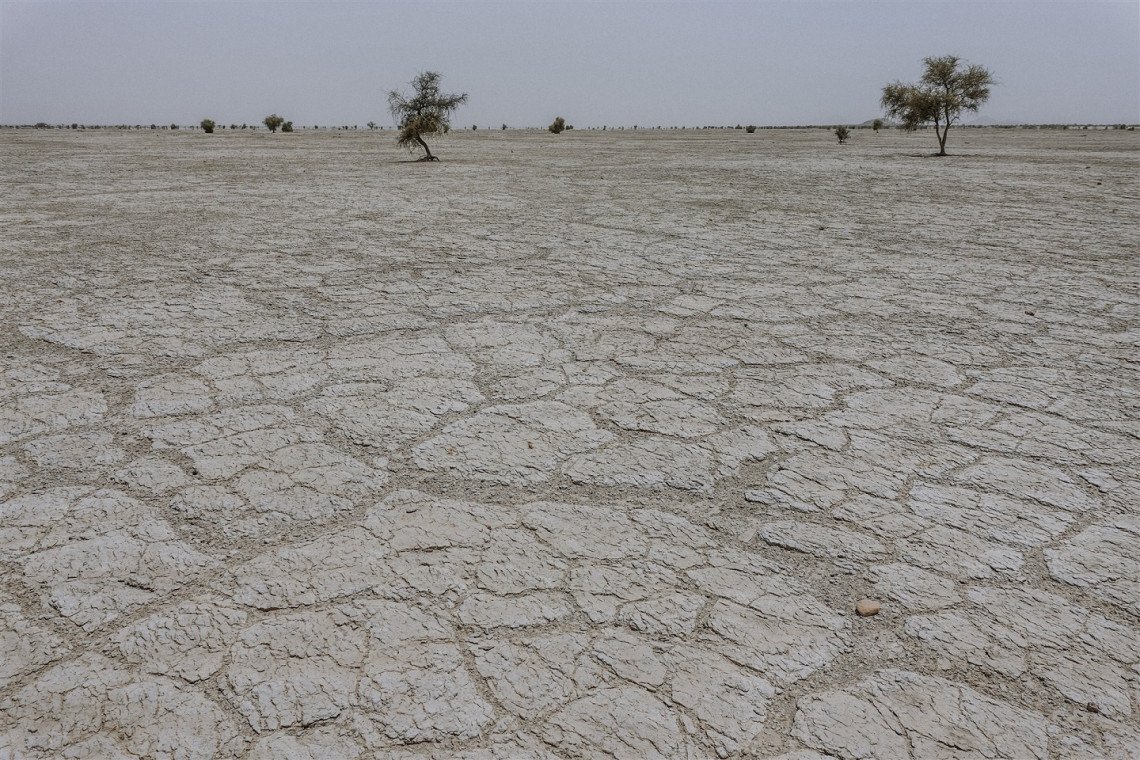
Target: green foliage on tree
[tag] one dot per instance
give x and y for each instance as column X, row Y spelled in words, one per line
column 208, row 126
column 750, row 128
column 287, row 126
column 557, row 125
column 426, row 113
column 947, row 88
column 273, row 121
column 877, row 124
column 842, row 133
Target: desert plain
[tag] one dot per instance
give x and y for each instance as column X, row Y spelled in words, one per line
column 569, row 446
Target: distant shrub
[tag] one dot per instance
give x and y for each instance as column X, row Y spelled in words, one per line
column 842, row 133
column 273, row 121
column 750, row 128
column 877, row 124
column 557, row 125
column 174, row 126
column 504, row 127
column 75, row 125
column 738, row 127
column 287, row 126
column 208, row 126
column 372, row 125
column 474, row 127
column 569, row 126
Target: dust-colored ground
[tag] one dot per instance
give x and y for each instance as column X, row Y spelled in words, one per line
column 569, row 446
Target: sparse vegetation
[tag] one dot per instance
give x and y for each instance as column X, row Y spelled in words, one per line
column 947, row 88
column 842, row 133
column 557, row 125
column 272, row 122
column 287, row 126
column 207, row 126
column 750, row 129
column 372, row 125
column 504, row 127
column 426, row 113
column 877, row 124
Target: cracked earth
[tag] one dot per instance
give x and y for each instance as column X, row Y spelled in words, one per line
column 569, row 447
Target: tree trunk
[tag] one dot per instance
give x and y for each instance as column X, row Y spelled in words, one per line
column 945, row 132
column 940, row 135
column 427, row 150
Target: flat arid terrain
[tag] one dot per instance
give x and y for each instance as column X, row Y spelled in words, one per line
column 570, row 446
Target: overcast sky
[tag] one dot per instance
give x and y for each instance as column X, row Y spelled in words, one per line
column 525, row 62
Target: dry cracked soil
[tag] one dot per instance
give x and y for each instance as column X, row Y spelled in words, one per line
column 569, row 447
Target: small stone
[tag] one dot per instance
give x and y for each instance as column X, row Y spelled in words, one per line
column 1093, row 707
column 867, row 607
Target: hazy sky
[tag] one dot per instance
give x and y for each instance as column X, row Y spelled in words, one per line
column 523, row 63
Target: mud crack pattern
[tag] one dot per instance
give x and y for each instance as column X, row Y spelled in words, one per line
column 569, row 450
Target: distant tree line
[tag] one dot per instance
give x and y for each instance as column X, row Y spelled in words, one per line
column 948, row 88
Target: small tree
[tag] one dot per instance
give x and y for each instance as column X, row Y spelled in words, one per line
column 426, row 113
column 944, row 92
column 174, row 126
column 877, row 124
column 371, row 125
column 287, row 126
column 557, row 125
column 504, row 127
column 208, row 126
column 273, row 121
column 750, row 128
column 842, row 133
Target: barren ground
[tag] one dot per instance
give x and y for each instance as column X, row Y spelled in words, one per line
column 569, row 446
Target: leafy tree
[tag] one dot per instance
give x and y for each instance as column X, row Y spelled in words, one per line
column 842, row 133
column 273, row 121
column 947, row 88
column 425, row 114
column 208, row 126
column 504, row 127
column 877, row 124
column 287, row 126
column 750, row 128
column 372, row 125
column 174, row 126
column 557, row 125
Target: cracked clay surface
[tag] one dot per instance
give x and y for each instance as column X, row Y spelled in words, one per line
column 575, row 447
